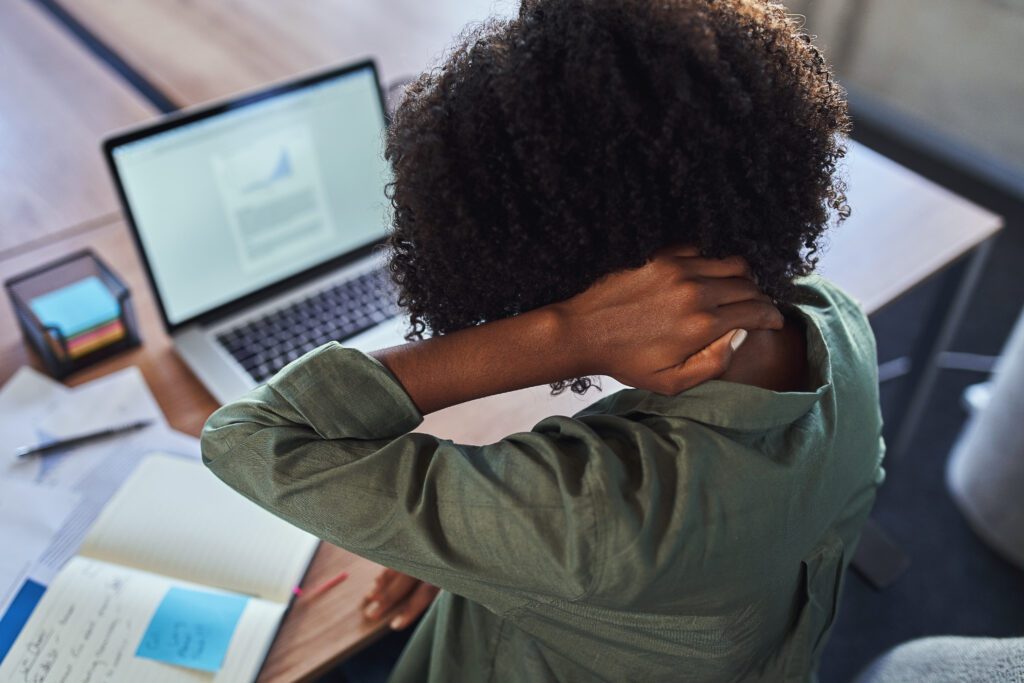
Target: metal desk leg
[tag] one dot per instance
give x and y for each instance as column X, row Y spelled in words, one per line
column 878, row 559
column 940, row 326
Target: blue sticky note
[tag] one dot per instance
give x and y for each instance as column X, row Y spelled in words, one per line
column 76, row 308
column 192, row 628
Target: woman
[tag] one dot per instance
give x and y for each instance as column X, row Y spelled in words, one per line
column 591, row 188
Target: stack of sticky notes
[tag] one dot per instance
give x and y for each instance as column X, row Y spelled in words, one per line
column 86, row 313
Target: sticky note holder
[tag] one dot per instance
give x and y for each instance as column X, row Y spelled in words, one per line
column 63, row 287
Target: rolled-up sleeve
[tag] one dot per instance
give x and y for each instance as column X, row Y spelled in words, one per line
column 327, row 445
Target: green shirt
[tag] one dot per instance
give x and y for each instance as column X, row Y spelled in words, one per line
column 698, row 537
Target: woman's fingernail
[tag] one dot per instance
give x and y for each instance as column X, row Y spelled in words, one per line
column 396, row 623
column 738, row 337
column 372, row 609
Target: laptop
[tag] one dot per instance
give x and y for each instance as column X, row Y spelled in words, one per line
column 260, row 221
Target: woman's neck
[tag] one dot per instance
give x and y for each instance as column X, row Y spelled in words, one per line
column 773, row 359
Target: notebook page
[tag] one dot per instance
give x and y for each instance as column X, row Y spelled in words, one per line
column 174, row 517
column 93, row 616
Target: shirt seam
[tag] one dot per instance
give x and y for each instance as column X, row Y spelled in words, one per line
column 598, row 538
column 497, row 644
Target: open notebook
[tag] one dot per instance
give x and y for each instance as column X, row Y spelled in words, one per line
column 172, row 526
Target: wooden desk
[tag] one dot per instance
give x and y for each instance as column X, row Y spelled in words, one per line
column 197, row 51
column 903, row 229
column 311, row 638
column 56, row 101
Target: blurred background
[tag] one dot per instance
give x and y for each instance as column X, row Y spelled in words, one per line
column 935, row 85
column 943, row 68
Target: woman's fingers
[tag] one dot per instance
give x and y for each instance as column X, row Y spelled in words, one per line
column 381, row 580
column 753, row 314
column 707, row 364
column 696, row 334
column 733, row 266
column 415, row 605
column 394, row 589
column 722, row 291
column 694, row 264
column 679, row 251
column 389, row 595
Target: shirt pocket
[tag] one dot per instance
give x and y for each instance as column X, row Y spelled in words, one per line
column 821, row 575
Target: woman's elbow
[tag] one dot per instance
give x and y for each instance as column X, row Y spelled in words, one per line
column 224, row 432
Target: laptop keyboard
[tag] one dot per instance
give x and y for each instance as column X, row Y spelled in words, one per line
column 265, row 345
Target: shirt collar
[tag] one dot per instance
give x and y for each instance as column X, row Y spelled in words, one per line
column 733, row 405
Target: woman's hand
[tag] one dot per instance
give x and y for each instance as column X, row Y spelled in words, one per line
column 393, row 590
column 668, row 325
column 664, row 327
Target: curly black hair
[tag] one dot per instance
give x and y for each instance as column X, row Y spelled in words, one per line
column 580, row 137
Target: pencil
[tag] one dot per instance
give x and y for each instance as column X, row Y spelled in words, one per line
column 322, row 588
column 59, row 444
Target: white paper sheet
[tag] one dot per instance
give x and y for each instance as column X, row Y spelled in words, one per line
column 22, row 399
column 35, row 408
column 117, row 398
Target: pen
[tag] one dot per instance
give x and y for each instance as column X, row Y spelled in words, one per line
column 77, row 440
column 329, row 583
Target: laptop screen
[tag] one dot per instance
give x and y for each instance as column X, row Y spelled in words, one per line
column 231, row 203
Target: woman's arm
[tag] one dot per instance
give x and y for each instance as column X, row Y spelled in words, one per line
column 664, row 327
column 327, row 443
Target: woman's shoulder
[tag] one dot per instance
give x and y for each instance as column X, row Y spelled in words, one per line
column 815, row 293
column 839, row 317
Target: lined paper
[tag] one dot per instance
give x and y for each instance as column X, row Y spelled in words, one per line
column 175, row 518
column 91, row 620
